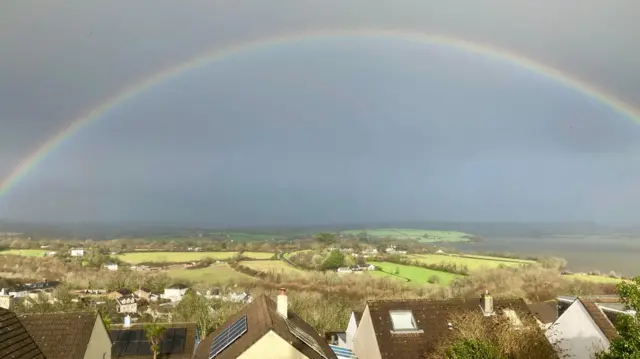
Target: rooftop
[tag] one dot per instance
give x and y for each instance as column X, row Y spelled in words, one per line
column 178, row 342
column 246, row 327
column 408, row 329
column 60, row 335
column 15, row 341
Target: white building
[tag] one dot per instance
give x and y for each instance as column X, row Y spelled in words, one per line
column 112, row 266
column 77, row 252
column 127, row 304
column 350, row 333
column 175, row 292
column 344, row 270
column 586, row 326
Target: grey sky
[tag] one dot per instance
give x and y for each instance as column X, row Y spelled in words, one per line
column 324, row 131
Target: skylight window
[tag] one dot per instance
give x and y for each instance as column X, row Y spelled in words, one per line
column 403, row 320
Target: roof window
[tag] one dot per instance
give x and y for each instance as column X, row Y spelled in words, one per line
column 403, row 321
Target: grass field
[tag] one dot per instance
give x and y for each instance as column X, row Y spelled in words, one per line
column 499, row 259
column 247, row 237
column 176, row 257
column 214, row 274
column 25, row 252
column 421, row 235
column 474, row 263
column 272, row 266
column 593, row 278
column 416, row 274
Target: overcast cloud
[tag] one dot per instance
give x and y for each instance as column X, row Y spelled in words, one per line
column 334, row 130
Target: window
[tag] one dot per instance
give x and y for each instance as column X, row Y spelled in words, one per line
column 402, row 320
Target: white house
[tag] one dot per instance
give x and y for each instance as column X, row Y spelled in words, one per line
column 586, row 326
column 175, row 292
column 112, row 266
column 344, row 270
column 350, row 333
column 77, row 252
column 127, row 304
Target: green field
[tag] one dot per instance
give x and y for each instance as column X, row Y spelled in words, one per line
column 178, row 257
column 272, row 266
column 214, row 274
column 421, row 235
column 247, row 237
column 473, row 263
column 499, row 259
column 593, row 278
column 416, row 274
column 25, row 252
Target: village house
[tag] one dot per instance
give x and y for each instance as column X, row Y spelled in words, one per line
column 146, row 294
column 586, row 324
column 370, row 252
column 419, row 325
column 50, row 253
column 15, row 341
column 69, row 335
column 77, row 252
column 545, row 313
column 111, row 266
column 175, row 292
column 127, row 304
column 344, row 270
column 265, row 329
column 119, row 293
column 130, row 341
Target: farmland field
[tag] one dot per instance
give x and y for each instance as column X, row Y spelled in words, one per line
column 473, row 263
column 272, row 266
column 214, row 274
column 593, row 278
column 499, row 259
column 416, row 274
column 25, row 252
column 177, row 257
column 413, row 234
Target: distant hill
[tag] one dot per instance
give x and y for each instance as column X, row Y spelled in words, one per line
column 105, row 230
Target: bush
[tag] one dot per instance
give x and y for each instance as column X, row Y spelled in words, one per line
column 473, row 349
column 434, row 279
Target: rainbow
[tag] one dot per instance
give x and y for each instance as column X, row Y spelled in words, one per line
column 434, row 39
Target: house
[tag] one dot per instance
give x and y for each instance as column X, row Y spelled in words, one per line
column 6, row 300
column 545, row 313
column 344, row 270
column 410, row 329
column 370, row 267
column 146, row 294
column 15, row 341
column 439, row 251
column 112, row 266
column 127, row 304
column 50, row 253
column 69, row 335
column 175, row 292
column 130, row 342
column 77, row 252
column 119, row 293
column 350, row 333
column 265, row 329
column 585, row 325
column 370, row 251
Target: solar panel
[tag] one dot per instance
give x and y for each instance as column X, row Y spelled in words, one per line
column 228, row 336
column 305, row 338
column 134, row 342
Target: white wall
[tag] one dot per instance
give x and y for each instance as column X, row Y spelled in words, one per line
column 576, row 335
column 351, row 332
column 365, row 344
